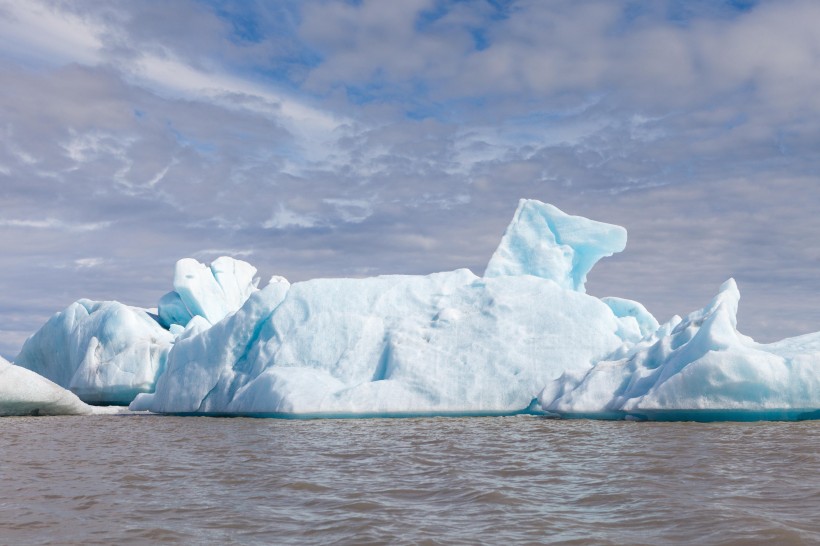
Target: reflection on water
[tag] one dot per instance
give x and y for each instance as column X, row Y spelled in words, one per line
column 146, row 479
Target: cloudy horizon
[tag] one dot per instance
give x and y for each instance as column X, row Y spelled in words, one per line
column 356, row 138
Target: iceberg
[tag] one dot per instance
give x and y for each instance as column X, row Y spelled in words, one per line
column 108, row 352
column 23, row 392
column 523, row 338
column 446, row 343
column 697, row 368
column 442, row 343
column 104, row 352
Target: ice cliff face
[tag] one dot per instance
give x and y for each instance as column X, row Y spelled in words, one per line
column 524, row 337
column 398, row 345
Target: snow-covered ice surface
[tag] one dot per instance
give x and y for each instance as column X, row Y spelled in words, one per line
column 23, row 392
column 525, row 337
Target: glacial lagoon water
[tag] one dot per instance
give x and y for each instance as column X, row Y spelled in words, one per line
column 143, row 479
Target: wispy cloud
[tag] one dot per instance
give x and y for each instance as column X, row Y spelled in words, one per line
column 53, row 224
column 285, row 218
column 59, row 36
column 217, row 252
column 46, row 34
column 86, row 263
column 352, row 210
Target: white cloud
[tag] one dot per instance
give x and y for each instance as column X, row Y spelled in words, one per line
column 85, row 263
column 351, row 210
column 56, row 36
column 53, row 223
column 33, row 30
column 83, row 147
column 313, row 127
column 285, row 218
column 233, row 252
column 157, row 178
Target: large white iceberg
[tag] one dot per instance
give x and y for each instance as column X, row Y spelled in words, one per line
column 23, row 392
column 525, row 337
column 699, row 367
column 407, row 345
column 442, row 343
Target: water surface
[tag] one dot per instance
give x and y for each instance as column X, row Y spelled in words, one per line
column 524, row 479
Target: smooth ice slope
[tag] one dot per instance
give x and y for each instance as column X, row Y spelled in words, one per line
column 697, row 368
column 545, row 242
column 23, row 392
column 443, row 343
column 104, row 352
column 209, row 292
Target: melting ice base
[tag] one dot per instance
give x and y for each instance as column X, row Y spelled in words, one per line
column 522, row 338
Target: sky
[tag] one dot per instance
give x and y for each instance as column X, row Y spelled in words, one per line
column 325, row 138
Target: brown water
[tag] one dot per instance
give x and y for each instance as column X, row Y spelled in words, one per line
column 148, row 479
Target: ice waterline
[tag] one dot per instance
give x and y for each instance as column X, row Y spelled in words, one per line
column 523, row 338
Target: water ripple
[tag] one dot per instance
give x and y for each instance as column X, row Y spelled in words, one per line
column 147, row 479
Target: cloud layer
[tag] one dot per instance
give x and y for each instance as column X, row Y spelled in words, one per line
column 326, row 138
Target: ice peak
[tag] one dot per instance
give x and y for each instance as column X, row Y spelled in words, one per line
column 210, row 292
column 723, row 306
column 544, row 241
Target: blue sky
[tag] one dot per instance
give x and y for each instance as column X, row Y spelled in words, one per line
column 332, row 138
